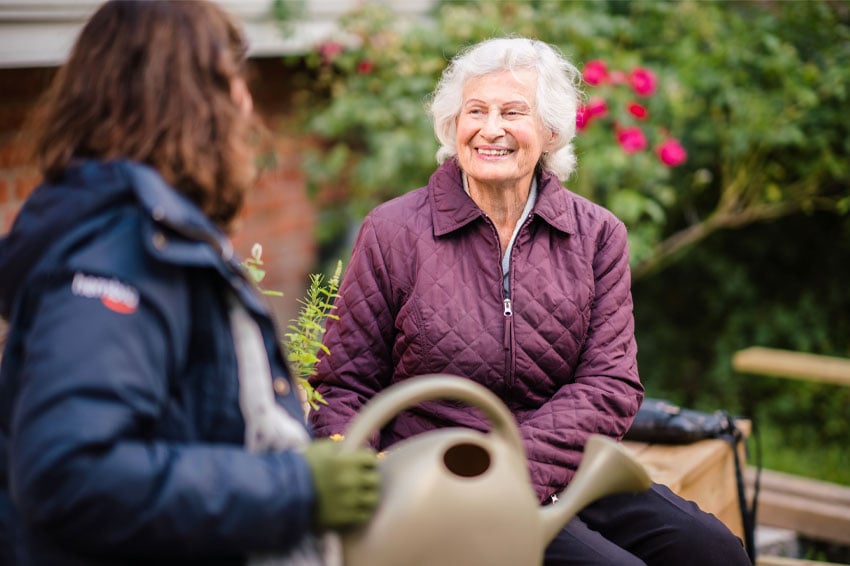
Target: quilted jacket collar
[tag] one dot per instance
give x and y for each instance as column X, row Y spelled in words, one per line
column 453, row 208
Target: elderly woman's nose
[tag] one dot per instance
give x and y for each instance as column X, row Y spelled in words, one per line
column 493, row 123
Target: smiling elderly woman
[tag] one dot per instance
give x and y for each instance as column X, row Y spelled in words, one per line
column 495, row 272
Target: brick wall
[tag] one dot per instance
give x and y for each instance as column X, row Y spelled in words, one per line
column 18, row 175
column 278, row 213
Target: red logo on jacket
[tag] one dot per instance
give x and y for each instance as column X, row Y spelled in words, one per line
column 114, row 295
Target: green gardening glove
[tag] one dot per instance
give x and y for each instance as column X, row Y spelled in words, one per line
column 347, row 484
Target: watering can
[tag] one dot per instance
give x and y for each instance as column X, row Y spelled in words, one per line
column 459, row 497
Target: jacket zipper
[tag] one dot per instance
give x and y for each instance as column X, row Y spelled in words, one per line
column 510, row 342
column 509, row 336
column 509, row 319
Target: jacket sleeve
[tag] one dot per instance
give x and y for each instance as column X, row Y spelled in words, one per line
column 88, row 468
column 605, row 392
column 358, row 361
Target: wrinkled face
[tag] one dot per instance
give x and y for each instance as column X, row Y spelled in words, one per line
column 500, row 137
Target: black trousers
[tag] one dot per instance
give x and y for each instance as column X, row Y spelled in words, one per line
column 654, row 528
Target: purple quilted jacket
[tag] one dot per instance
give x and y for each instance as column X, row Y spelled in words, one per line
column 423, row 293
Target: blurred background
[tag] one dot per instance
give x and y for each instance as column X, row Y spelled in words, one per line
column 718, row 131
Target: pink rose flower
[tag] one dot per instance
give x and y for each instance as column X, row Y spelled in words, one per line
column 671, row 153
column 643, row 81
column 597, row 107
column 329, row 50
column 582, row 118
column 595, row 72
column 631, row 139
column 637, row 110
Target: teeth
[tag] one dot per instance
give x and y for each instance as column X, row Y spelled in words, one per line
column 493, row 152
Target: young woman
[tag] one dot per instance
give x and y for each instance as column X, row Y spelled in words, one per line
column 147, row 414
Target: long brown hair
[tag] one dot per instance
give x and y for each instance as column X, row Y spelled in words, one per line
column 151, row 81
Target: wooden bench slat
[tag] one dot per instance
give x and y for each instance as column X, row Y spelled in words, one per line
column 784, row 561
column 816, row 509
column 787, row 363
column 809, row 488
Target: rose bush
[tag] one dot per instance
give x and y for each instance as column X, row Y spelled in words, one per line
column 632, row 137
column 716, row 112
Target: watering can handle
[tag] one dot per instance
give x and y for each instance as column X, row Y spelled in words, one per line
column 390, row 402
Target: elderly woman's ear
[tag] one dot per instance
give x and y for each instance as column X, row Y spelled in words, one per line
column 551, row 142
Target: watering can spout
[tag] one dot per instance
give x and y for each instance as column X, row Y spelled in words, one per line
column 606, row 468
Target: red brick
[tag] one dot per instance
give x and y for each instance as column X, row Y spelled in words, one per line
column 14, row 115
column 24, row 84
column 15, row 151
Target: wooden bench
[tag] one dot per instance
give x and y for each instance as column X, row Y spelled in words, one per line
column 703, row 471
column 817, row 509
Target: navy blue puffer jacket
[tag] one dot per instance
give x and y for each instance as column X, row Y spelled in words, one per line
column 120, row 424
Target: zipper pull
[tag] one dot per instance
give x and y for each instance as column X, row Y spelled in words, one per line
column 508, row 311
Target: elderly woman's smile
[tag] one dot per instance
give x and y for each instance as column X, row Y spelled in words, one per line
column 487, row 152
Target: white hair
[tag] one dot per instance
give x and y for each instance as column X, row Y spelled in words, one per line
column 558, row 94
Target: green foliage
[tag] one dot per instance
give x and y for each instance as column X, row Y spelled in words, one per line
column 758, row 101
column 377, row 138
column 304, row 341
column 750, row 288
column 826, row 462
column 287, row 11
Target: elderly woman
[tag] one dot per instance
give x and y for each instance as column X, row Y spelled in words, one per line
column 494, row 271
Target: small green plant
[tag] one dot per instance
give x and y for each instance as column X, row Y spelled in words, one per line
column 304, row 342
column 254, row 266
